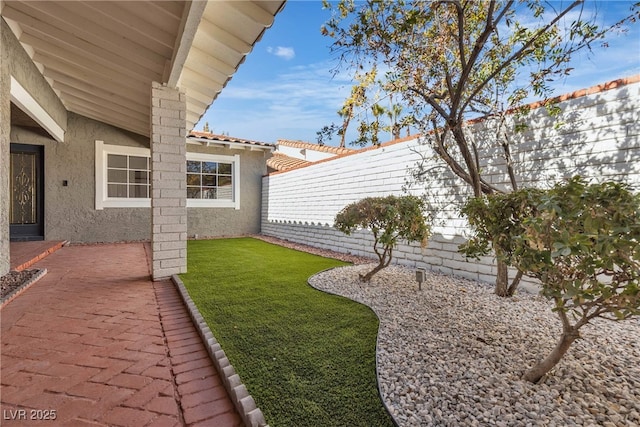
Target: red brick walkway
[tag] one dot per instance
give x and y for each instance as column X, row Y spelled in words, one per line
column 24, row 254
column 100, row 344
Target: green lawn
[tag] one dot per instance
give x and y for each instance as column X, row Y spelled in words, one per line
column 307, row 358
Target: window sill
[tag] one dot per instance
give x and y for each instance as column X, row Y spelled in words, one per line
column 203, row 203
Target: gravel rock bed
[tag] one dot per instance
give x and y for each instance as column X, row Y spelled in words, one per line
column 12, row 282
column 453, row 355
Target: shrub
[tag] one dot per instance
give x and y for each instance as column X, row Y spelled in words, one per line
column 494, row 220
column 389, row 218
column 582, row 241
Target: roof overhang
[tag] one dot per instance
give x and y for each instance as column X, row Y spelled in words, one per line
column 28, row 104
column 100, row 57
column 234, row 144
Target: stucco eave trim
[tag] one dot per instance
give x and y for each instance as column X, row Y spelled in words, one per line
column 27, row 103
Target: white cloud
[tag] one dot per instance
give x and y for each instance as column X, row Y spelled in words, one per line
column 300, row 99
column 286, row 53
column 293, row 105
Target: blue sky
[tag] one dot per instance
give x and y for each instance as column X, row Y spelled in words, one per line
column 286, row 90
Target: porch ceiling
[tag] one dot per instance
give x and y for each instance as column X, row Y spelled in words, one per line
column 100, row 57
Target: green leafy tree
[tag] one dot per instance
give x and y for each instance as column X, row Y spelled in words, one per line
column 389, row 219
column 354, row 107
column 582, row 241
column 453, row 60
column 494, row 221
column 396, row 120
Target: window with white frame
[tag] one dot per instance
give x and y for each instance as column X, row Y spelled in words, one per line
column 128, row 176
column 123, row 178
column 213, row 180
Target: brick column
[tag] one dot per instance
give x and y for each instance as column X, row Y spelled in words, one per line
column 168, row 181
column 5, row 135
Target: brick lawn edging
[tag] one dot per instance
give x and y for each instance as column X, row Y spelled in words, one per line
column 251, row 415
column 17, row 292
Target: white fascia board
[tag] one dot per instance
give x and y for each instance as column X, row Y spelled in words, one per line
column 27, row 103
column 237, row 145
column 188, row 28
column 229, row 144
column 240, row 145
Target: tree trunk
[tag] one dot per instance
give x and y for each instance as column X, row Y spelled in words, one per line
column 568, row 337
column 503, row 288
column 367, row 277
column 514, row 284
column 384, row 260
column 502, row 279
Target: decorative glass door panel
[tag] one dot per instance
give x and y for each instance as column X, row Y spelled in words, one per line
column 23, row 189
column 26, row 174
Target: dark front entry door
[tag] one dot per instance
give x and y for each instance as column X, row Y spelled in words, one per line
column 26, row 215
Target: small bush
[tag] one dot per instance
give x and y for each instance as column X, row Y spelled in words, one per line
column 582, row 241
column 389, row 218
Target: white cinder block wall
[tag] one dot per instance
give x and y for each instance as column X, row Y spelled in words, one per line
column 598, row 137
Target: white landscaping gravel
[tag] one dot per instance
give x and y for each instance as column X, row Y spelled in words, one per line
column 453, row 355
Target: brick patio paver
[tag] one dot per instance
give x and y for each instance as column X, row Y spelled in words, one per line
column 191, row 375
column 99, row 343
column 24, row 254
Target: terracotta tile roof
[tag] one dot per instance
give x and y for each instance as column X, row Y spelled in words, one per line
column 228, row 139
column 316, row 147
column 349, row 152
column 282, row 162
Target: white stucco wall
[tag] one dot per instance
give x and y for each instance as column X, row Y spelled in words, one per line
column 599, row 138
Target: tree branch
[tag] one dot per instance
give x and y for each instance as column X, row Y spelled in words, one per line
column 461, row 21
column 455, row 167
column 431, row 100
column 507, row 152
column 475, row 53
column 520, row 52
column 566, row 325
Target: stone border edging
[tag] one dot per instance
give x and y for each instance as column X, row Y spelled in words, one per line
column 17, row 292
column 384, row 404
column 251, row 415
